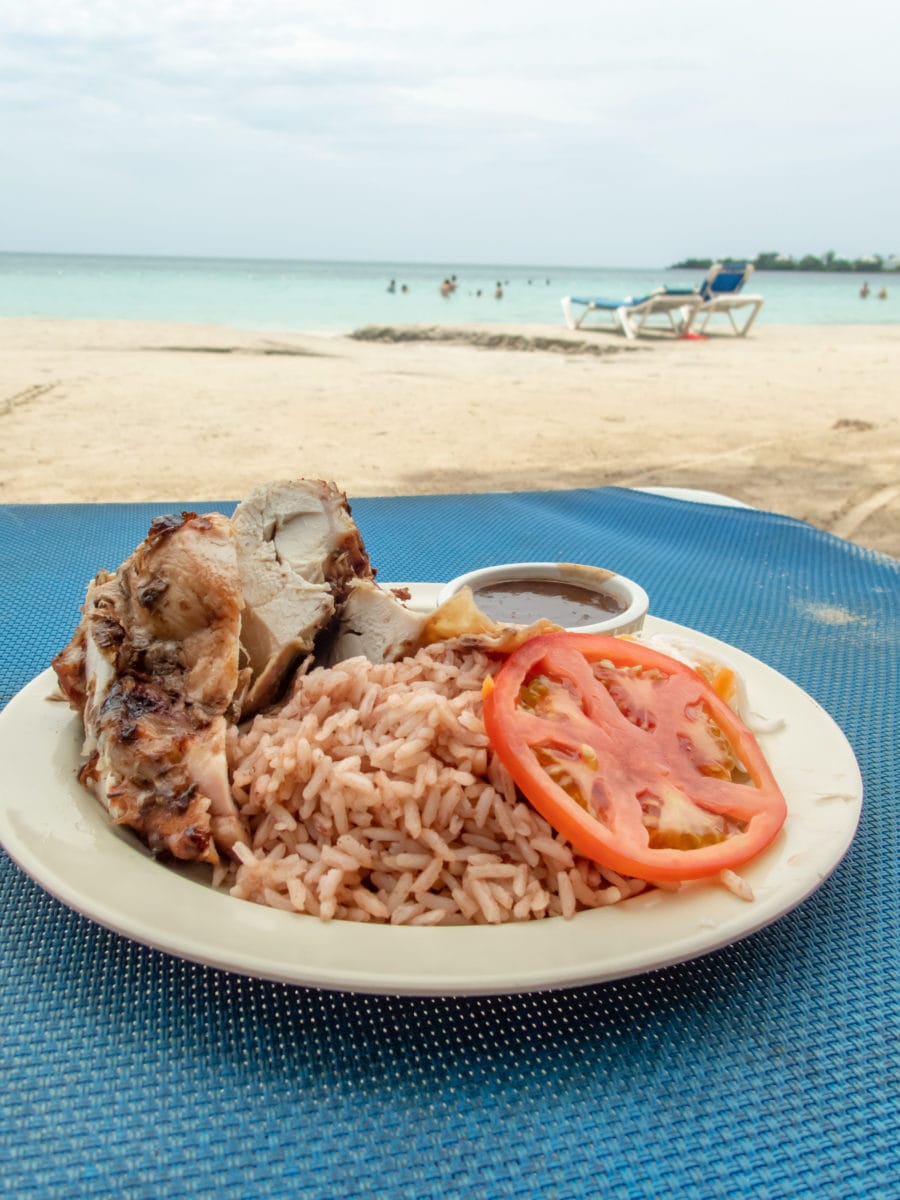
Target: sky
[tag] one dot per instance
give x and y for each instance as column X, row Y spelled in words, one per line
column 565, row 133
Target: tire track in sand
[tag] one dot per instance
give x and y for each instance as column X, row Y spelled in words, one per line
column 846, row 525
column 26, row 396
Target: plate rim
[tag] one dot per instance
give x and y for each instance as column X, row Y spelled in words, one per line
column 471, row 946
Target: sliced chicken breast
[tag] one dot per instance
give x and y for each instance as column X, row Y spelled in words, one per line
column 373, row 623
column 299, row 550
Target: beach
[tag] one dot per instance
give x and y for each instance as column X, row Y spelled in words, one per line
column 799, row 420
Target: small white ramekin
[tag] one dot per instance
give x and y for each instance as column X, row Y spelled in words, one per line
column 631, row 594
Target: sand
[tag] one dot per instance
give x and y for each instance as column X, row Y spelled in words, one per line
column 798, row 420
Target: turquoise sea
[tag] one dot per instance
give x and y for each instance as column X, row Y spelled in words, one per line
column 337, row 297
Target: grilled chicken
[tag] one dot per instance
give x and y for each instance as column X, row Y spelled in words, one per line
column 153, row 670
column 299, row 551
column 201, row 627
column 374, row 623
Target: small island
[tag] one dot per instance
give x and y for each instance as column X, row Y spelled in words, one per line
column 873, row 264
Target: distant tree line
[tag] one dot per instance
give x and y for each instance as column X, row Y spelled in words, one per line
column 874, row 264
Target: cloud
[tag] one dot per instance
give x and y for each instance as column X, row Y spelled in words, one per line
column 653, row 113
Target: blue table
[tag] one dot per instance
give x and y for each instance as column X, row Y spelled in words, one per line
column 767, row 1069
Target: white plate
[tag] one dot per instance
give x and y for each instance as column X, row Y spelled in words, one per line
column 60, row 836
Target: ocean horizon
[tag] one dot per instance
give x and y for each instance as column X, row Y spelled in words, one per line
column 339, row 297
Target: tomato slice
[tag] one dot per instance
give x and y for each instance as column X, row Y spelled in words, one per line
column 632, row 756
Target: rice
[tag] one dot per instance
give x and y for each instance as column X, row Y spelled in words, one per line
column 373, row 794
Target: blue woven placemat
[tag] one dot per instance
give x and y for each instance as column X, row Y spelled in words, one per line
column 767, row 1069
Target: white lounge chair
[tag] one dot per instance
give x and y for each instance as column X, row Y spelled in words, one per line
column 721, row 292
column 629, row 316
column 698, row 495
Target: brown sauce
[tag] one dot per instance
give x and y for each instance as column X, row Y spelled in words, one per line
column 521, row 601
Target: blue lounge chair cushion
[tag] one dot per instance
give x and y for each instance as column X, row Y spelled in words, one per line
column 630, row 301
column 729, row 280
column 599, row 302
